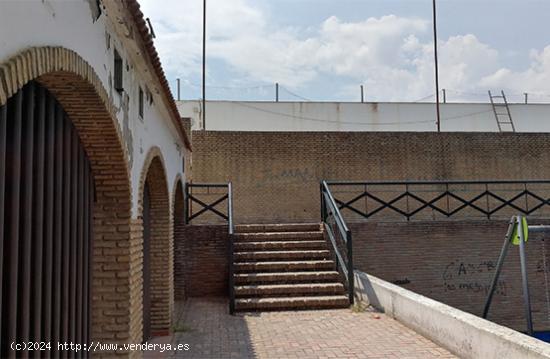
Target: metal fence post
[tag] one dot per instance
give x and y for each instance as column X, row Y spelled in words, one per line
column 523, row 262
column 323, row 209
column 186, row 204
column 487, row 200
column 231, row 249
column 501, row 258
column 351, row 274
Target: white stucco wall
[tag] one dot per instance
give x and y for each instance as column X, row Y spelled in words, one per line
column 348, row 116
column 69, row 24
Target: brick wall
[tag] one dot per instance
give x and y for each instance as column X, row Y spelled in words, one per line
column 276, row 179
column 201, row 265
column 454, row 262
column 276, row 175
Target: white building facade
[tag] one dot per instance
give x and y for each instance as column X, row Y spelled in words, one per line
column 91, row 64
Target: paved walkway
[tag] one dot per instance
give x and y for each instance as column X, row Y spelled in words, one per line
column 211, row 333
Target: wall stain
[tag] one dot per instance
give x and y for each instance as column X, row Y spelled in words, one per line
column 126, row 132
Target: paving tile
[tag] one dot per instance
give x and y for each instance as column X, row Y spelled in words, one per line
column 205, row 325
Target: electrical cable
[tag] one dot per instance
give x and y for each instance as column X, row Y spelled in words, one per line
column 424, row 98
column 293, row 94
column 281, row 114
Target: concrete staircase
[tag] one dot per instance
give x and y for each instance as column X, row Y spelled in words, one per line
column 282, row 267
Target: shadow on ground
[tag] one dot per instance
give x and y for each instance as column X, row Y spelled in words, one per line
column 204, row 324
column 211, row 333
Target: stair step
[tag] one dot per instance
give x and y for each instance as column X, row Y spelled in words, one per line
column 287, row 277
column 267, row 290
column 280, row 245
column 282, row 255
column 320, row 302
column 275, row 236
column 284, row 266
column 287, row 227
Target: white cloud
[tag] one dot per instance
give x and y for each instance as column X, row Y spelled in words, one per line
column 535, row 79
column 386, row 53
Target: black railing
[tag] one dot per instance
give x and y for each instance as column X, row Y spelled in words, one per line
column 208, row 196
column 442, row 199
column 339, row 235
column 231, row 231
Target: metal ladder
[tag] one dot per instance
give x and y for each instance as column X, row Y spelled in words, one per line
column 502, row 113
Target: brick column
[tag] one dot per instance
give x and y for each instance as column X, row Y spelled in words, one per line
column 162, row 243
column 179, row 226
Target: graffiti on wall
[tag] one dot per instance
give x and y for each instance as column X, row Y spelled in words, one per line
column 471, row 277
column 295, row 175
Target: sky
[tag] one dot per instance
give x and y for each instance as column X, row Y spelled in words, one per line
column 323, row 50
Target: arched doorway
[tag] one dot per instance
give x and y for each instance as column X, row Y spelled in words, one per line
column 157, row 248
column 47, row 210
column 90, row 194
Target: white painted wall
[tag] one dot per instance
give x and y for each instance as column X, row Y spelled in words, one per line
column 349, row 116
column 69, row 24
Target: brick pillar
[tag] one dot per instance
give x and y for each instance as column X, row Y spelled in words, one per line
column 179, row 226
column 162, row 244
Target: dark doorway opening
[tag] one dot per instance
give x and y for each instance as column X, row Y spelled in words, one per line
column 46, row 211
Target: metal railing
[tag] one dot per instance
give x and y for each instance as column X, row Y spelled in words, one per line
column 339, row 235
column 201, row 194
column 231, row 231
column 442, row 199
column 205, row 207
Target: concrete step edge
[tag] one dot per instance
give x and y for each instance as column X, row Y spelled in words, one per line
column 313, row 262
column 278, row 235
column 295, row 285
column 289, row 289
column 287, row 251
column 320, row 245
column 301, row 302
column 286, row 276
column 272, row 266
column 273, row 227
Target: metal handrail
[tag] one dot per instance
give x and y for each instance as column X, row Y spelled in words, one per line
column 329, row 208
column 231, row 230
column 230, row 207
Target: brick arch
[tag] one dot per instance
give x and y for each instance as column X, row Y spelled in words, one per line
column 76, row 86
column 161, row 241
